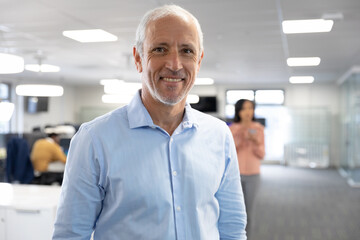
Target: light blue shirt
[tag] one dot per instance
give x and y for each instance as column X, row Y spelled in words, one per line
column 127, row 179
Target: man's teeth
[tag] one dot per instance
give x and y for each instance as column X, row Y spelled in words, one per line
column 172, row 79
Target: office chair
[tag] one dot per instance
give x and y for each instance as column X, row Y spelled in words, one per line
column 18, row 167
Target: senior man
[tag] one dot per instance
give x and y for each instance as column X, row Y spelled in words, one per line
column 156, row 168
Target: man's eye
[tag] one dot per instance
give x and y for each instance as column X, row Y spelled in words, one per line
column 159, row 49
column 188, row 51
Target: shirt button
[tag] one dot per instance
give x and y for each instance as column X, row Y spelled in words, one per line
column 178, row 208
column 171, row 139
column 175, row 173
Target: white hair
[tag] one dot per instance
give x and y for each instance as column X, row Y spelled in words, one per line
column 160, row 12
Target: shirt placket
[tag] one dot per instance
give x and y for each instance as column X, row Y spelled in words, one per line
column 176, row 176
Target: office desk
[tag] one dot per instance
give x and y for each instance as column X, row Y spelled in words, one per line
column 27, row 211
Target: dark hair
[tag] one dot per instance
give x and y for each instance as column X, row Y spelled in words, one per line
column 53, row 135
column 239, row 106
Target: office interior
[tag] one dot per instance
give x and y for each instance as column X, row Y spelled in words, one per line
column 311, row 129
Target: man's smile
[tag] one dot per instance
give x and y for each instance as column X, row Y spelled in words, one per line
column 171, row 79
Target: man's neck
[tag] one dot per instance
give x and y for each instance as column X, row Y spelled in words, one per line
column 168, row 117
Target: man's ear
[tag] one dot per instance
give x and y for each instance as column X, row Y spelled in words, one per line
column 137, row 59
column 199, row 63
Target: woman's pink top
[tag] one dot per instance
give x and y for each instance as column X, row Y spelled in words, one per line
column 249, row 153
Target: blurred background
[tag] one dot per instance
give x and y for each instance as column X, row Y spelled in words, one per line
column 305, row 83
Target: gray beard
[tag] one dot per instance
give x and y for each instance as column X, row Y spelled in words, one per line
column 166, row 101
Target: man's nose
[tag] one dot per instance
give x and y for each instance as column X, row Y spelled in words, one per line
column 174, row 61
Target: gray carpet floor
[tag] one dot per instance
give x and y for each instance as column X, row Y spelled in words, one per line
column 305, row 204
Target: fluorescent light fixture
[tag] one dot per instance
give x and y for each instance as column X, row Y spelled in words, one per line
column 110, row 81
column 42, row 68
column 90, row 35
column 6, row 111
column 307, row 26
column 304, row 61
column 110, row 98
column 39, row 90
column 204, row 81
column 122, row 88
column 301, row 79
column 192, row 98
column 11, row 64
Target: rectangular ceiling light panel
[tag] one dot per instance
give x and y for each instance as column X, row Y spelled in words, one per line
column 303, row 61
column 91, row 35
column 39, row 90
column 301, row 79
column 307, row 26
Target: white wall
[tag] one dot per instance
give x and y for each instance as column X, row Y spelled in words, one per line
column 60, row 110
column 88, row 103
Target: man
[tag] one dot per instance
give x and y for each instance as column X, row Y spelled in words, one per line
column 155, row 169
column 46, row 151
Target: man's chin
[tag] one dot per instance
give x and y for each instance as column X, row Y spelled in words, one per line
column 170, row 101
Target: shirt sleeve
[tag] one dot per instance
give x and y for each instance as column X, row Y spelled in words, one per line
column 232, row 220
column 81, row 196
column 59, row 155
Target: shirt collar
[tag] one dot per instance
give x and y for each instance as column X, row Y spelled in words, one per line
column 49, row 139
column 189, row 119
column 138, row 115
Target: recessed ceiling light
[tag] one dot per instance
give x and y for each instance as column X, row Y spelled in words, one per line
column 307, row 26
column 39, row 90
column 301, row 79
column 42, row 68
column 204, row 81
column 303, row 61
column 91, row 35
column 10, row 63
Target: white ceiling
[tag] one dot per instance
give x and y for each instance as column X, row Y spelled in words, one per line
column 243, row 39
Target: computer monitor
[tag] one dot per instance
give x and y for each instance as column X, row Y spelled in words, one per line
column 65, row 144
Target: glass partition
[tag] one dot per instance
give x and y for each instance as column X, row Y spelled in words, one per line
column 308, row 138
column 350, row 129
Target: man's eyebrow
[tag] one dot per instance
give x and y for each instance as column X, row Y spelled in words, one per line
column 160, row 44
column 165, row 44
column 187, row 45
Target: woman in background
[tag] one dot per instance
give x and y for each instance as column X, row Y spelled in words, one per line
column 249, row 141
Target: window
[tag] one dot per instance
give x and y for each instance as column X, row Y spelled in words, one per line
column 260, row 97
column 4, row 98
column 4, row 91
column 269, row 97
column 269, row 111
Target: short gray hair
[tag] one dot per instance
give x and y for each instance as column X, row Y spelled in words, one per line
column 160, row 12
